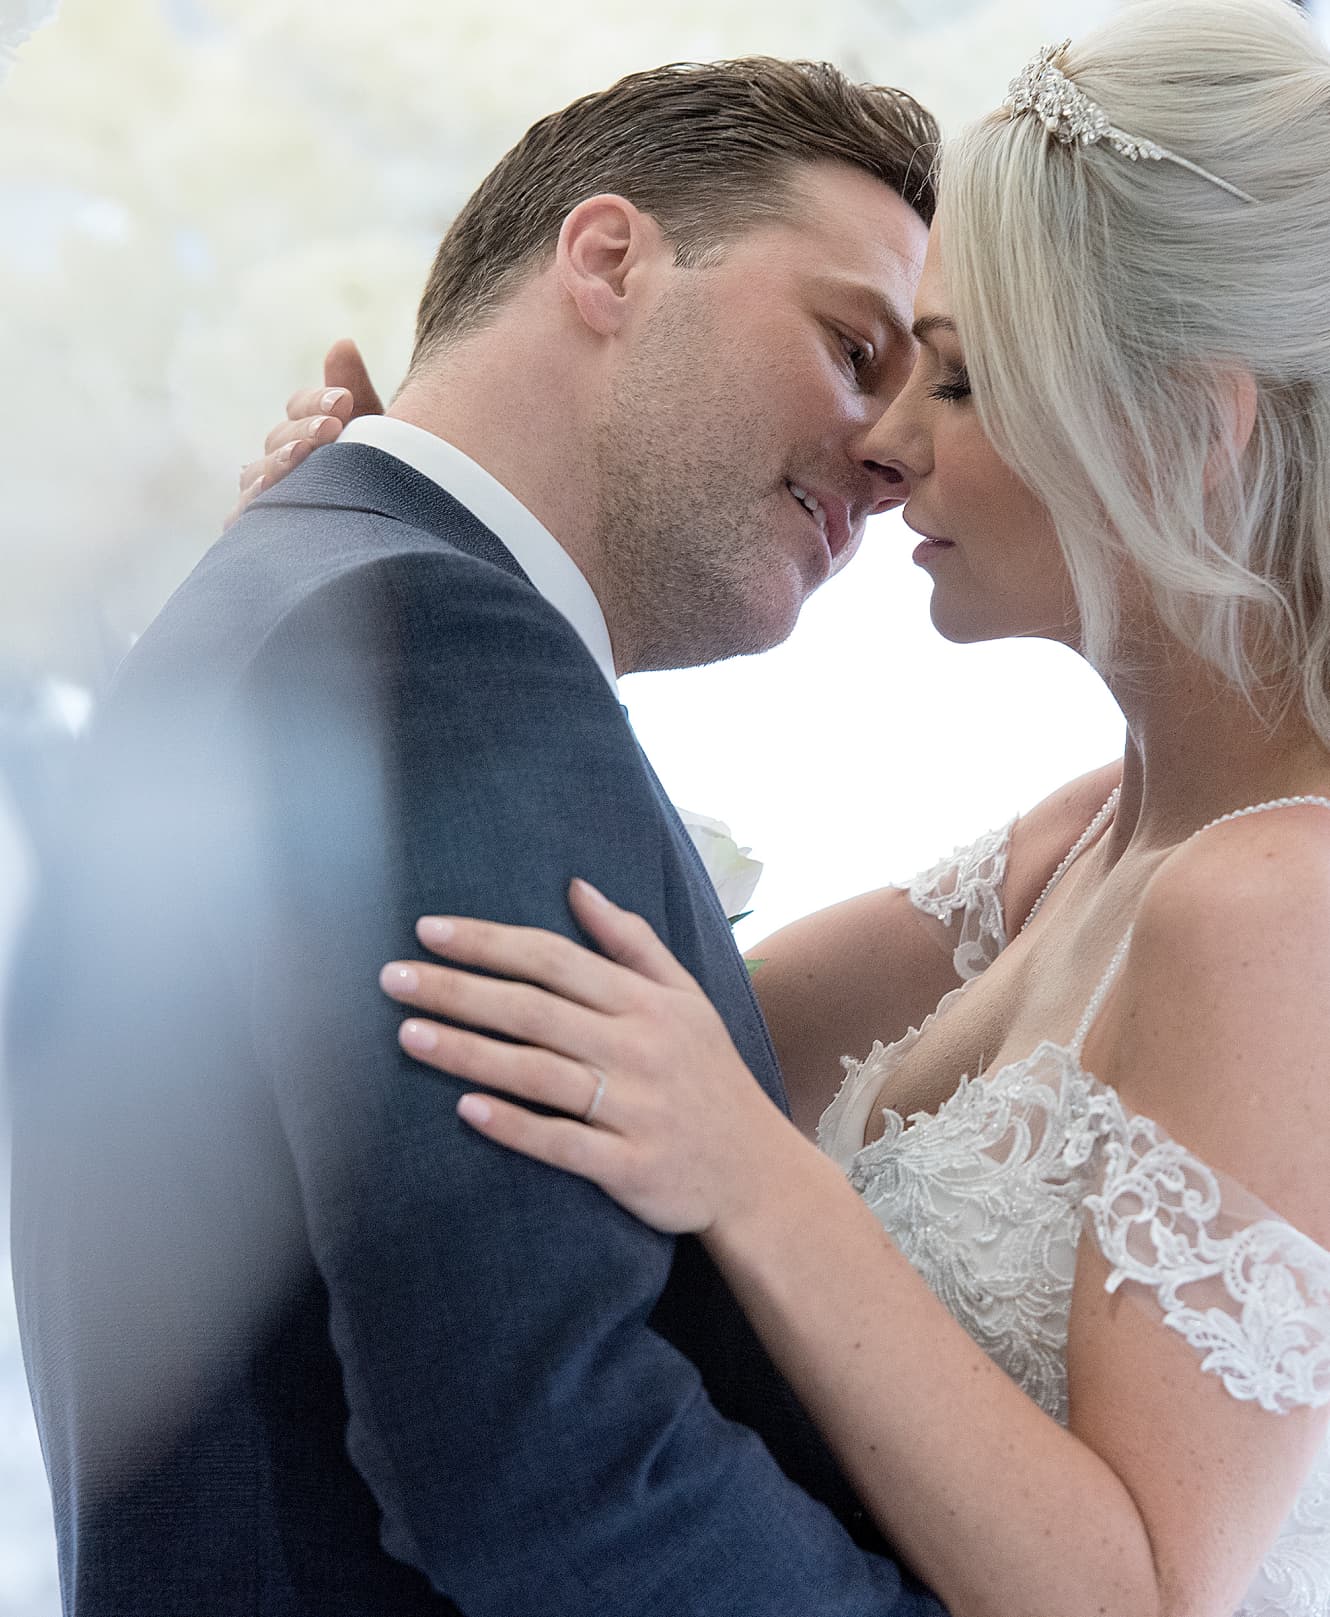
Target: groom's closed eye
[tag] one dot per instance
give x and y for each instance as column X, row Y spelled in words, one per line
column 861, row 357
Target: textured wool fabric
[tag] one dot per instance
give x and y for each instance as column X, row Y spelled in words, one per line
column 299, row 1342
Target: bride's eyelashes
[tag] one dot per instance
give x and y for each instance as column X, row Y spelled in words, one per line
column 955, row 389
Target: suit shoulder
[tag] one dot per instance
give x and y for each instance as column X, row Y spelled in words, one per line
column 366, row 582
column 431, row 638
column 285, row 575
column 293, row 555
column 433, row 600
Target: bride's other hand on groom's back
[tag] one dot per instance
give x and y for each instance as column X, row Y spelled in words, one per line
column 314, row 417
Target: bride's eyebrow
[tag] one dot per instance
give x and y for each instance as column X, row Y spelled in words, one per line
column 923, row 328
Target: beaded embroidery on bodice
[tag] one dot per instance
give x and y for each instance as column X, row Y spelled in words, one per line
column 988, row 1198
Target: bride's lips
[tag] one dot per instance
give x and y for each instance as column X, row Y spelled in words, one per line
column 929, row 549
column 933, row 544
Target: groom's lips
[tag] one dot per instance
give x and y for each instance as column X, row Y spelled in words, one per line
column 837, row 522
column 840, row 521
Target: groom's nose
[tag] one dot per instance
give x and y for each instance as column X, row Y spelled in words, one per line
column 890, row 484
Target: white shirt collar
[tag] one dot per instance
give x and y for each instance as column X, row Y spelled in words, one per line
column 535, row 549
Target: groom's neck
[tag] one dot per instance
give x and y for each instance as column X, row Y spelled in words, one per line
column 519, row 404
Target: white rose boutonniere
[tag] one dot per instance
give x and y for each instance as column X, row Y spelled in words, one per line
column 733, row 873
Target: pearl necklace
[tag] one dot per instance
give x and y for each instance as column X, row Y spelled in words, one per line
column 1259, row 808
column 1097, row 824
column 1086, row 838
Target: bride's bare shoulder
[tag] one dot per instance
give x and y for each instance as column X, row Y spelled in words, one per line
column 1256, row 877
column 1220, row 1022
column 1041, row 839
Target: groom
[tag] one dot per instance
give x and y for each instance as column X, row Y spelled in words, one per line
column 298, row 1342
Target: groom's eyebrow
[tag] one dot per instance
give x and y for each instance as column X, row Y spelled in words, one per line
column 870, row 298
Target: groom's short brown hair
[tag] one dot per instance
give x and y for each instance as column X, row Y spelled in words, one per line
column 709, row 150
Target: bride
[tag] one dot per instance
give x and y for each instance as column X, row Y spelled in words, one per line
column 1056, row 1284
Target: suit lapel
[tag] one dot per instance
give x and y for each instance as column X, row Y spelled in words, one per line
column 750, row 1032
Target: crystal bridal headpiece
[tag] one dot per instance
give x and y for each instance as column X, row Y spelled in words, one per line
column 1070, row 116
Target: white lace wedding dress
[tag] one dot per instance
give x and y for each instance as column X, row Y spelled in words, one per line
column 988, row 1198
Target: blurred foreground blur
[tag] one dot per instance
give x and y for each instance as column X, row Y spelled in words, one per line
column 197, row 196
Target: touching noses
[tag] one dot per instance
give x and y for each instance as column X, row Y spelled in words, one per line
column 895, row 453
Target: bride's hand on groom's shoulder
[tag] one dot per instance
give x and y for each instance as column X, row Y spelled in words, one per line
column 646, row 1094
column 314, row 417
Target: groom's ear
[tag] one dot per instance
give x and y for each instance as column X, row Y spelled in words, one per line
column 607, row 249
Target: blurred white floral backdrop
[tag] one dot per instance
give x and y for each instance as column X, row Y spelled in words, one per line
column 197, row 196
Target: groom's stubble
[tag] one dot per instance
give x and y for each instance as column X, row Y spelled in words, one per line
column 689, row 488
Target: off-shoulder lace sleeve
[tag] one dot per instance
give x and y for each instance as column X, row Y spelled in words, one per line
column 1247, row 1290
column 964, row 892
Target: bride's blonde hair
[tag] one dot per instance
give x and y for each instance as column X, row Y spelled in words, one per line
column 1107, row 308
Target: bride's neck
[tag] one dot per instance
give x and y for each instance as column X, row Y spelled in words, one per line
column 1196, row 749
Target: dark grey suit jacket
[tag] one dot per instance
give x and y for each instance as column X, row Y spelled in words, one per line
column 299, row 1342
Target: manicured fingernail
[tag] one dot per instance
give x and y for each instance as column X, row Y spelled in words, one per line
column 434, row 929
column 418, row 1036
column 331, row 398
column 312, row 431
column 588, row 891
column 474, row 1109
column 284, row 455
column 395, row 979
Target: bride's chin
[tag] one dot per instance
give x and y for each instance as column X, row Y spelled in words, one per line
column 974, row 623
column 966, row 629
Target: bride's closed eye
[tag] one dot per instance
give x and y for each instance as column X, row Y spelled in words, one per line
column 955, row 389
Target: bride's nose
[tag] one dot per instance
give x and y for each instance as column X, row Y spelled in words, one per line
column 897, row 449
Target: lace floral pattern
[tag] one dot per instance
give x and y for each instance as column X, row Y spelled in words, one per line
column 988, row 1197
column 964, row 891
column 1294, row 1579
column 980, row 1200
column 1167, row 1222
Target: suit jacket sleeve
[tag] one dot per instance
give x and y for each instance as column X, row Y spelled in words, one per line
column 430, row 736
